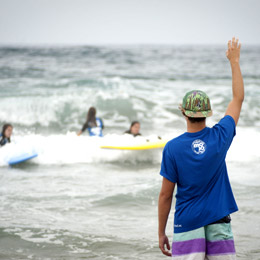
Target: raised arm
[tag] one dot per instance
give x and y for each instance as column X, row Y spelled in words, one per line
column 233, row 54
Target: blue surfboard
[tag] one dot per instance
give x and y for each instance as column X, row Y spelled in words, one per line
column 22, row 158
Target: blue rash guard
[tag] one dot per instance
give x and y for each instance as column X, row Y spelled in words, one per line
column 94, row 130
column 196, row 162
column 3, row 140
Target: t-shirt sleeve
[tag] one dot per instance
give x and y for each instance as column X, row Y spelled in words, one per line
column 226, row 129
column 168, row 166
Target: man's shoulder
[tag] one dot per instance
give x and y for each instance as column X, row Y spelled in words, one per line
column 176, row 140
column 227, row 119
column 226, row 123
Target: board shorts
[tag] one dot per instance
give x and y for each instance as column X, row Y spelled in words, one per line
column 212, row 242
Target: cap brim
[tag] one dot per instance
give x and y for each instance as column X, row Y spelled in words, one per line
column 200, row 114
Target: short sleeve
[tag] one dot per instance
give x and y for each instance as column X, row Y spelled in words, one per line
column 226, row 129
column 168, row 166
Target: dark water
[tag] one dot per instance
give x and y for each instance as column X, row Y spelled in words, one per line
column 76, row 201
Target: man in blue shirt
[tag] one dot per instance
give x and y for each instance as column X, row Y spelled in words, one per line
column 195, row 161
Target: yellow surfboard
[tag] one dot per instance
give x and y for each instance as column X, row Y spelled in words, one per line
column 148, row 145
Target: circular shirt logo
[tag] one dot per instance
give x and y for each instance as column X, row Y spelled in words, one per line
column 198, row 146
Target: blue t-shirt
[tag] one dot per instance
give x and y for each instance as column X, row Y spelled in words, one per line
column 196, row 162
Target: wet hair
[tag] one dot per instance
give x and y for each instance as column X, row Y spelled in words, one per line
column 134, row 123
column 91, row 117
column 5, row 126
column 195, row 119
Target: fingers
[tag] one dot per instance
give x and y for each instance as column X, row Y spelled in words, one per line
column 236, row 43
column 226, row 53
column 233, row 44
column 165, row 252
column 162, row 247
column 233, row 51
column 168, row 253
column 229, row 45
column 168, row 245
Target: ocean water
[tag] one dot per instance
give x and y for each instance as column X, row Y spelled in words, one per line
column 77, row 201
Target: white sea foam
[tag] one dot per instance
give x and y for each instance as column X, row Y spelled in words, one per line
column 70, row 149
column 245, row 146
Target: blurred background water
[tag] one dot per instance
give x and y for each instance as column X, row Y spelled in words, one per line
column 76, row 201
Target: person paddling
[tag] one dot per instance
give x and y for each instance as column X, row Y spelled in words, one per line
column 93, row 124
column 5, row 136
column 134, row 129
column 195, row 161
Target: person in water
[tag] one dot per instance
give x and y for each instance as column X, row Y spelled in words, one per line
column 5, row 136
column 93, row 124
column 134, row 129
column 195, row 161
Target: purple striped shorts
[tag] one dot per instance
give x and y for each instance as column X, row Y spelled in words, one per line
column 212, row 242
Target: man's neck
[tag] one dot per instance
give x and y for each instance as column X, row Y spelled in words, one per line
column 195, row 127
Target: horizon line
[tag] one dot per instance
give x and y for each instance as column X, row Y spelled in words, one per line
column 113, row 44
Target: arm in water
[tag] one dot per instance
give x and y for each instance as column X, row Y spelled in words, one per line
column 233, row 54
column 85, row 126
column 102, row 124
column 164, row 207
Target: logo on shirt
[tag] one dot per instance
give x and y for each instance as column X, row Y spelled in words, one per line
column 198, row 146
column 177, row 225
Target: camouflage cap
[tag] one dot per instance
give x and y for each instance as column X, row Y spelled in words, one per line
column 196, row 104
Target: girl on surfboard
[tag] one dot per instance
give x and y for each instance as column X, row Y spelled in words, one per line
column 134, row 129
column 93, row 124
column 5, row 136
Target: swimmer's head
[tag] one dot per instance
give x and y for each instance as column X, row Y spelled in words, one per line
column 7, row 131
column 135, row 127
column 91, row 112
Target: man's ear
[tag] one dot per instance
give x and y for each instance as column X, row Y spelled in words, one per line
column 186, row 118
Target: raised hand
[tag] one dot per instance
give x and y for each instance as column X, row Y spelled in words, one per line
column 233, row 51
column 233, row 54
